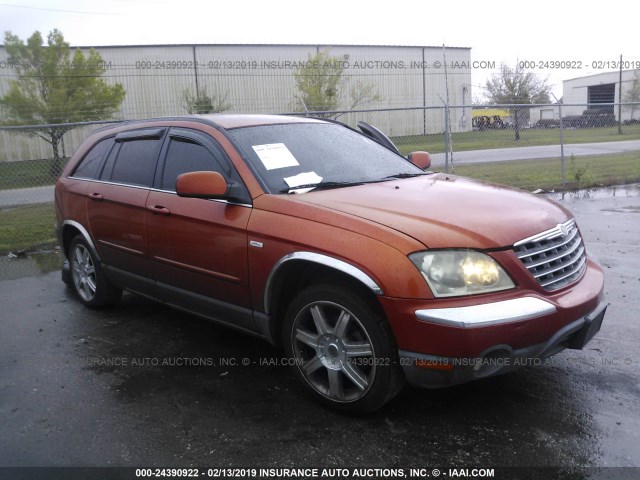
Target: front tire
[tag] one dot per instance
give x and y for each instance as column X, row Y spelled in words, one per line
column 343, row 348
column 88, row 280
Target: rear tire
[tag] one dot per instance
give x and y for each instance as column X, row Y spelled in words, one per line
column 343, row 348
column 88, row 280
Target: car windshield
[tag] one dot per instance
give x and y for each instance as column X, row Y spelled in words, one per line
column 287, row 156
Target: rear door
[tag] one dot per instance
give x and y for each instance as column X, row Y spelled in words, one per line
column 116, row 208
column 199, row 246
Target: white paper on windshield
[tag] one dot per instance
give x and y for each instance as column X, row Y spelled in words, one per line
column 275, row 155
column 305, row 178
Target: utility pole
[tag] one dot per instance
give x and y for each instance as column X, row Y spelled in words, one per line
column 620, row 100
column 195, row 71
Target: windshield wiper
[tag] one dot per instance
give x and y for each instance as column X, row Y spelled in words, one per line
column 321, row 186
column 330, row 184
column 407, row 175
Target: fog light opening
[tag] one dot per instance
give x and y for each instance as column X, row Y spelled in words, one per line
column 492, row 362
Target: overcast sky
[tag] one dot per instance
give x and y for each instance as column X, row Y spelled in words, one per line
column 504, row 32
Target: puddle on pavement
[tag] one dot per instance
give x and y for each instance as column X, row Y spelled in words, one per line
column 632, row 190
column 30, row 265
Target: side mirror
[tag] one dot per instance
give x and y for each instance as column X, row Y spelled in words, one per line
column 420, row 159
column 202, row 185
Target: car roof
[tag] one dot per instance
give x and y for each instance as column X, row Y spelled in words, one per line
column 224, row 121
column 229, row 121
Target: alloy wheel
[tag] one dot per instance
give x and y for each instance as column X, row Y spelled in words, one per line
column 333, row 351
column 83, row 272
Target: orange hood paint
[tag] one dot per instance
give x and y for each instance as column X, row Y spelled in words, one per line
column 445, row 211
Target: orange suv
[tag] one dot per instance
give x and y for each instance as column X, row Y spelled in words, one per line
column 368, row 270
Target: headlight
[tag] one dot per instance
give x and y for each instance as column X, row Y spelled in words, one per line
column 451, row 273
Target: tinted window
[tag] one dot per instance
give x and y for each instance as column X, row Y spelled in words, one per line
column 333, row 152
column 136, row 162
column 108, row 165
column 186, row 156
column 88, row 167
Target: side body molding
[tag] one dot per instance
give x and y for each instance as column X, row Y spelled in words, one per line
column 324, row 260
column 85, row 234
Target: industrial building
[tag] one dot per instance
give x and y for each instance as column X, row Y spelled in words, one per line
column 595, row 92
column 259, row 79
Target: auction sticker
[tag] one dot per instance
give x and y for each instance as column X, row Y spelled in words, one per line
column 275, row 155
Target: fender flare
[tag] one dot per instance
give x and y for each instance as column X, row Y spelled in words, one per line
column 320, row 259
column 84, row 233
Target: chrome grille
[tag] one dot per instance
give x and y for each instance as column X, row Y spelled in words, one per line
column 555, row 257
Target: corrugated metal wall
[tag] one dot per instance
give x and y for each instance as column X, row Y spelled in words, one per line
column 576, row 91
column 259, row 79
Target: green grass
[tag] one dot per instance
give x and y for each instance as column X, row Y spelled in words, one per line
column 580, row 172
column 28, row 227
column 486, row 139
column 26, row 173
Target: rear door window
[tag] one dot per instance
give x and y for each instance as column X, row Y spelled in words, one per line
column 135, row 162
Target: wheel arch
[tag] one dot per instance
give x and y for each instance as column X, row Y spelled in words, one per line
column 296, row 271
column 71, row 229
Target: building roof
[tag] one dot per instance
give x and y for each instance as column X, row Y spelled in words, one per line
column 319, row 45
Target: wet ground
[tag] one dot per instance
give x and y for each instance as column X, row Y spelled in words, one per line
column 144, row 385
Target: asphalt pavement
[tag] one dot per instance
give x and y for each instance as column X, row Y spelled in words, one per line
column 536, row 152
column 26, row 196
column 142, row 385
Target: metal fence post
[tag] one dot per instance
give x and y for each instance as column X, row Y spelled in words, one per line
column 561, row 142
column 562, row 147
column 447, row 139
column 447, row 135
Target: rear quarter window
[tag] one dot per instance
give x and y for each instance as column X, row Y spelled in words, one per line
column 90, row 164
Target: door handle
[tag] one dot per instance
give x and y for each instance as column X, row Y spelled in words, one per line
column 95, row 196
column 159, row 209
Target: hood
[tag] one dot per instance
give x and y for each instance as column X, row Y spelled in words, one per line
column 445, row 211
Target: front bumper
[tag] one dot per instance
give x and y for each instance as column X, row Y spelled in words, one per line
column 483, row 315
column 448, row 341
column 430, row 371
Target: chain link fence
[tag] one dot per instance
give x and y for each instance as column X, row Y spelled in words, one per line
column 537, row 148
